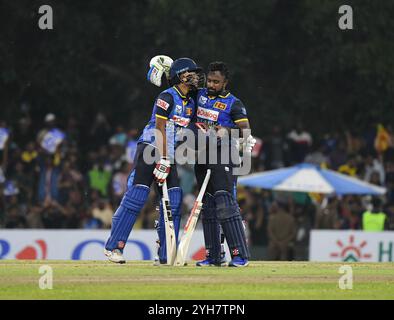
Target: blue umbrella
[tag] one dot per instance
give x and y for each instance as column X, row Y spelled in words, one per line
column 309, row 178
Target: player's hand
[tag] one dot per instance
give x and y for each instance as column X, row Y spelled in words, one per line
column 158, row 65
column 247, row 144
column 162, row 170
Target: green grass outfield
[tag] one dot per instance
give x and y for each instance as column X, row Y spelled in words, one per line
column 141, row 280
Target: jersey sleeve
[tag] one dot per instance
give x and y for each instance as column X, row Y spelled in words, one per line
column 238, row 112
column 164, row 104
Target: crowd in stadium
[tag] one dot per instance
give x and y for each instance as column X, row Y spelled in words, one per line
column 49, row 179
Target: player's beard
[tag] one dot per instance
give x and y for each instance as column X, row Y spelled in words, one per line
column 214, row 93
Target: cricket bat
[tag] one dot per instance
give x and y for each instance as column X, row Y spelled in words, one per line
column 169, row 227
column 191, row 223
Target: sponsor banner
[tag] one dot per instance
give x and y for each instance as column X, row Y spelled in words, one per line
column 83, row 244
column 351, row 246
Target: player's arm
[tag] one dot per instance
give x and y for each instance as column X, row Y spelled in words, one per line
column 240, row 118
column 163, row 106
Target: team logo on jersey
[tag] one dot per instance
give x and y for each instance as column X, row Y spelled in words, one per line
column 220, row 105
column 189, row 111
column 178, row 109
column 203, row 100
column 207, row 114
column 162, row 104
column 180, row 121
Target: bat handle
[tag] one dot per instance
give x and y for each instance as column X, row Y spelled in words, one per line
column 164, row 188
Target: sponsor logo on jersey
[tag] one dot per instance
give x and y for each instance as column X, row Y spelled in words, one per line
column 220, row 105
column 207, row 114
column 203, row 100
column 180, row 121
column 178, row 109
column 189, row 111
column 162, row 104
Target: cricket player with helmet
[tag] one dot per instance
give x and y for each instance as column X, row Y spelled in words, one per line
column 172, row 111
column 220, row 200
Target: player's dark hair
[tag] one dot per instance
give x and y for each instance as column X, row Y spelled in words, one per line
column 219, row 66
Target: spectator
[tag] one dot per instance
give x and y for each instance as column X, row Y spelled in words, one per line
column 103, row 212
column 29, row 157
column 131, row 146
column 318, row 156
column 34, row 217
column 119, row 183
column 350, row 213
column 72, row 129
column 99, row 178
column 375, row 220
column 300, row 143
column 53, row 214
column 69, row 178
column 350, row 167
column 275, row 149
column 303, row 215
column 24, row 181
column 50, row 138
column 327, row 215
column 338, row 155
column 4, row 142
column 390, row 216
column 281, row 233
column 253, row 214
column 119, row 138
column 24, row 132
column 100, row 131
column 48, row 188
column 13, row 218
column 373, row 165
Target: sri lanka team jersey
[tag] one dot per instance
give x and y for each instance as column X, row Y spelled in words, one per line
column 224, row 110
column 175, row 107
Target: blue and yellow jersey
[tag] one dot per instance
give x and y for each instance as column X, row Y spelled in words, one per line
column 175, row 107
column 224, row 110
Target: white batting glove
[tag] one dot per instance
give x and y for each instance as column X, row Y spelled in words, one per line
column 247, row 144
column 162, row 170
column 158, row 65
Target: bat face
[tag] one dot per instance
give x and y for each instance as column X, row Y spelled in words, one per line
column 194, row 214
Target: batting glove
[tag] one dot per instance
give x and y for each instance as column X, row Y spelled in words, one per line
column 158, row 65
column 162, row 170
column 247, row 144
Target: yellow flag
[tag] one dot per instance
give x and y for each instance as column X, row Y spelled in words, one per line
column 382, row 139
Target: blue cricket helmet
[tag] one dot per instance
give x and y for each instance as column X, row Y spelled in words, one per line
column 182, row 65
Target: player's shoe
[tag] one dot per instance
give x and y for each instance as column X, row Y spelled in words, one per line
column 209, row 262
column 237, row 261
column 115, row 256
column 159, row 262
